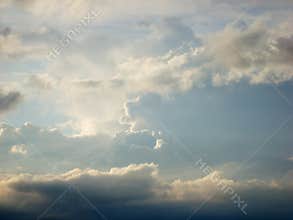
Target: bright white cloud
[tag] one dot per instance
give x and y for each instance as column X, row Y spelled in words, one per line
column 159, row 144
column 18, row 149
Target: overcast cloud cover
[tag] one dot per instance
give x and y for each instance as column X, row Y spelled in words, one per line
column 107, row 106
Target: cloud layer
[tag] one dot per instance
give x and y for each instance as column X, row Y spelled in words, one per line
column 139, row 183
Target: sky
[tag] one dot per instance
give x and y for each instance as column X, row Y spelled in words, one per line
column 131, row 109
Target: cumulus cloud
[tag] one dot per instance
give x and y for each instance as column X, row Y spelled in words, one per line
column 139, row 183
column 94, row 100
column 115, row 185
column 256, row 53
column 162, row 53
column 163, row 74
column 118, row 185
column 253, row 52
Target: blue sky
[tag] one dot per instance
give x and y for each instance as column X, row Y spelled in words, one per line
column 135, row 95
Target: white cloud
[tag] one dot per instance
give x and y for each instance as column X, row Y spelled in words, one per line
column 93, row 97
column 257, row 53
column 18, row 149
column 159, row 144
column 163, row 74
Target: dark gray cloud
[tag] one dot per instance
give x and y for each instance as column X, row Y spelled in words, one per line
column 136, row 187
column 285, row 49
column 9, row 100
column 5, row 31
column 135, row 182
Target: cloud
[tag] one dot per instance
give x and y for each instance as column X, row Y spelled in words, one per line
column 172, row 72
column 50, row 8
column 159, row 144
column 41, row 81
column 173, row 48
column 220, row 9
column 130, row 185
column 59, row 152
column 126, row 184
column 93, row 97
column 13, row 46
column 88, row 84
column 257, row 53
column 163, row 35
column 252, row 52
column 5, row 31
column 115, row 185
column 9, row 100
column 77, row 8
column 18, row 149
